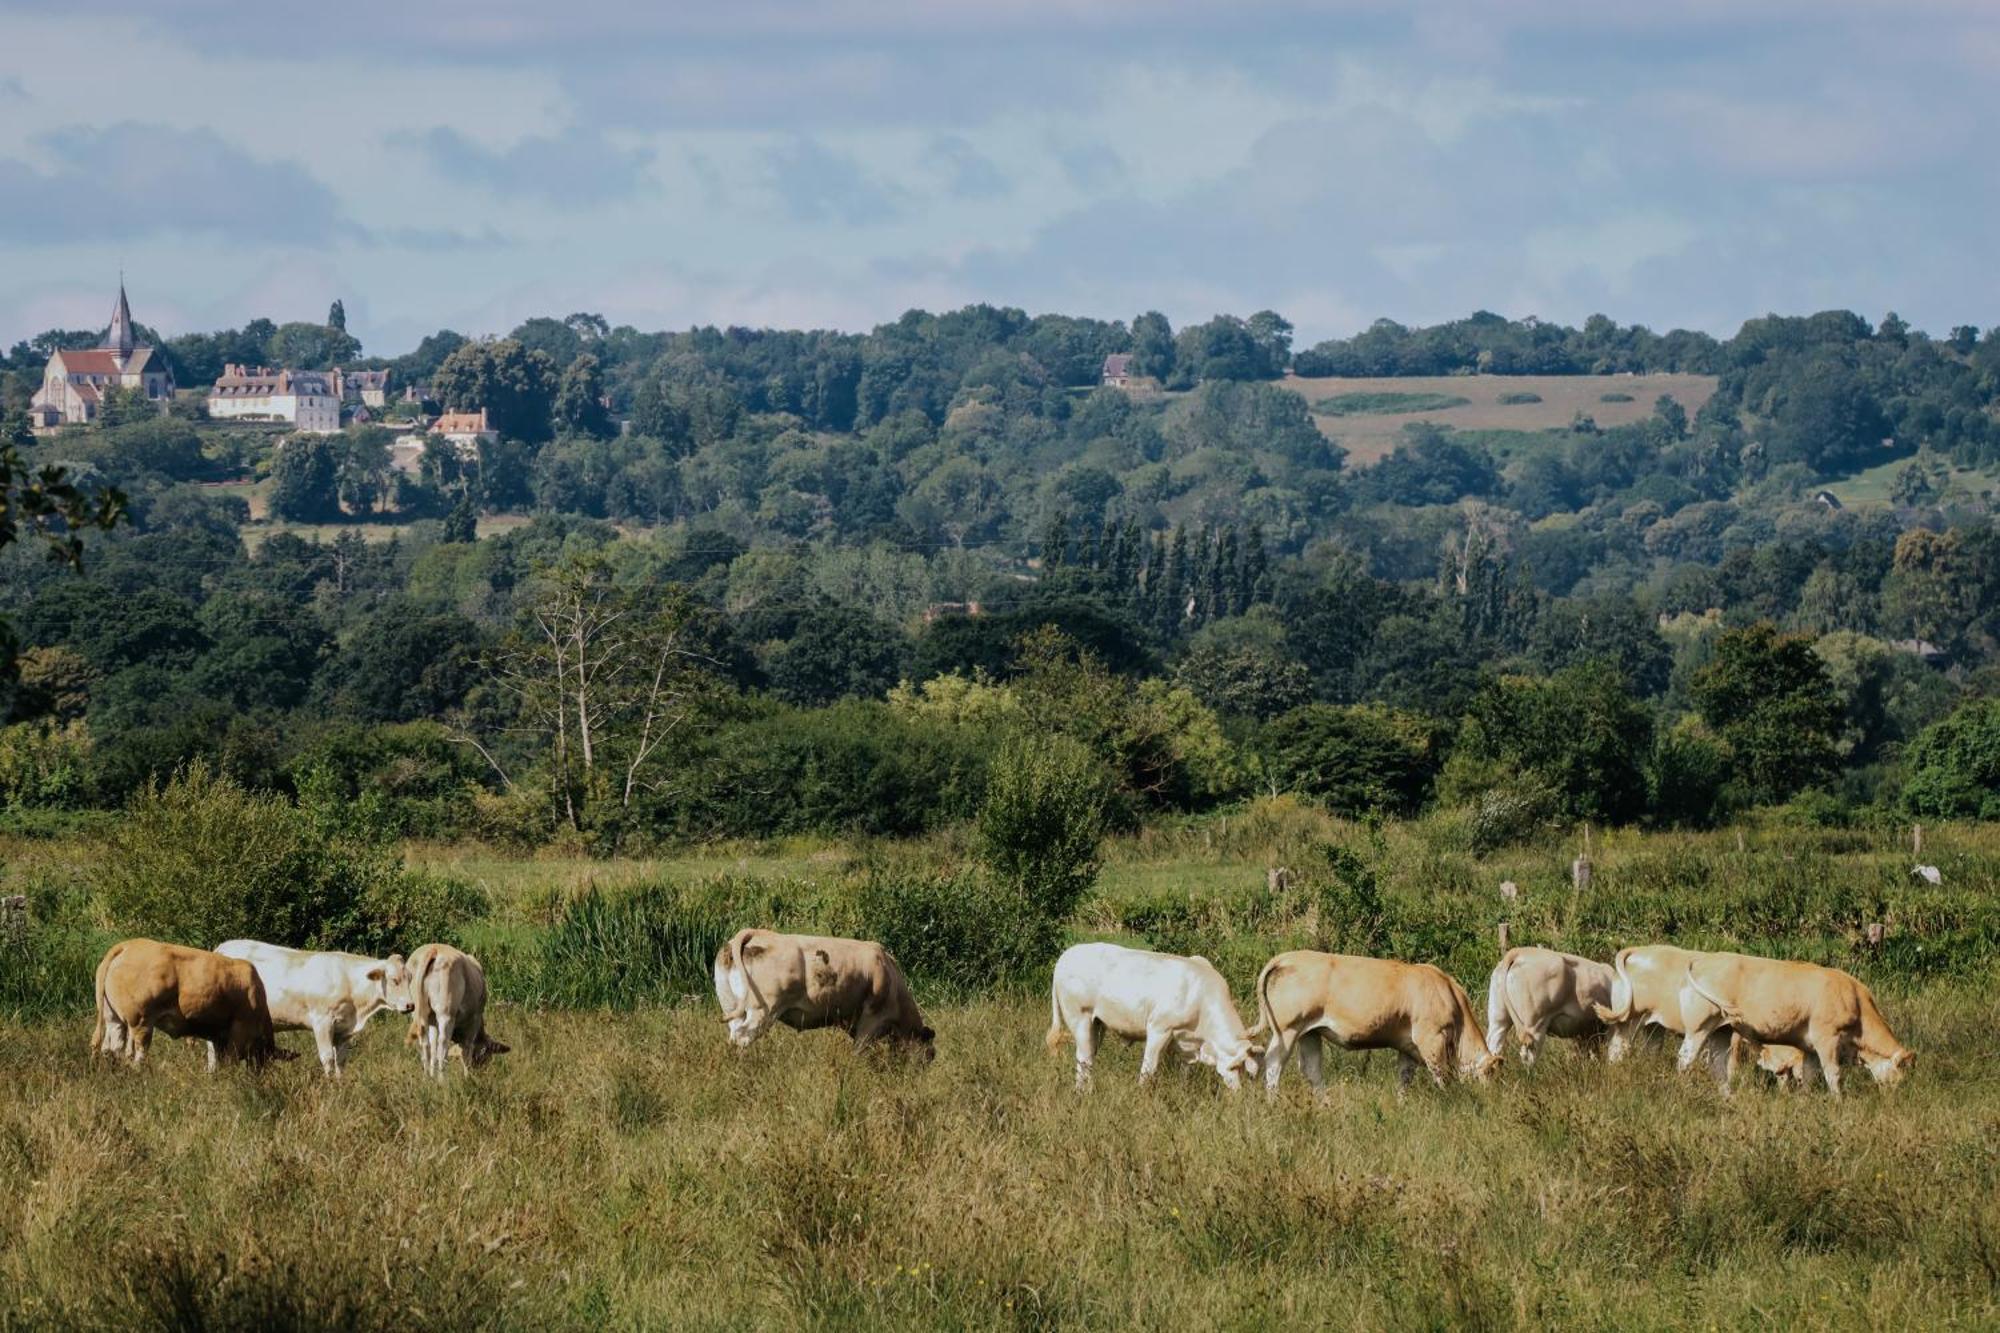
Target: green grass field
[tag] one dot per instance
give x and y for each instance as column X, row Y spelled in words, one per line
column 630, row 1170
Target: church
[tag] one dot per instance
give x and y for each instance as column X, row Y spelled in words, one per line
column 75, row 381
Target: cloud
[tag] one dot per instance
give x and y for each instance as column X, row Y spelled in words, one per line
column 815, row 183
column 1089, row 166
column 13, row 90
column 967, row 172
column 131, row 180
column 578, row 166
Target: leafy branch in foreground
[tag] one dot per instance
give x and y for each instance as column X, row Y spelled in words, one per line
column 47, row 504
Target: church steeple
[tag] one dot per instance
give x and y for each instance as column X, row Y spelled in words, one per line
column 119, row 337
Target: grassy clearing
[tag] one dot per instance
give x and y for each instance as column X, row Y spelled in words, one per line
column 1494, row 403
column 1874, row 486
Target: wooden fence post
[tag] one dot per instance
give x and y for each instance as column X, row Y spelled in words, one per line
column 1917, row 839
column 1503, row 939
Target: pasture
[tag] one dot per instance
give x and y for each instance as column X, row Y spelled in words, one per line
column 626, row 1169
column 1476, row 403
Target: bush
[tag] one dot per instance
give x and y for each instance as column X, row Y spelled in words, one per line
column 45, row 765
column 1614, row 397
column 959, row 932
column 1042, row 821
column 1356, row 759
column 48, row 960
column 1954, row 766
column 201, row 860
column 1519, row 398
column 646, row 945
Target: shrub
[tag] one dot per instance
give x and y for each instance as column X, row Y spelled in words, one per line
column 1356, row 759
column 1614, row 397
column 1954, row 766
column 959, row 932
column 1519, row 398
column 1042, row 821
column 201, row 860
column 640, row 946
column 45, row 765
column 1685, row 777
column 48, row 959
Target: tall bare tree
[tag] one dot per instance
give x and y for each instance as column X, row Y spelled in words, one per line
column 605, row 677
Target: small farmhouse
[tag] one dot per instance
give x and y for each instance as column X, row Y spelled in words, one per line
column 1118, row 370
column 466, row 430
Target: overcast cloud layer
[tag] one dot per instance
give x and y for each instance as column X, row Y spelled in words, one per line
column 833, row 162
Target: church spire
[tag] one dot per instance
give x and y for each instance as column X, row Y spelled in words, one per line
column 119, row 336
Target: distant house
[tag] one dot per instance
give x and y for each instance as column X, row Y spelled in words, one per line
column 368, row 387
column 1118, row 371
column 1922, row 649
column 466, row 430
column 307, row 400
column 1827, row 498
column 950, row 610
column 74, row 382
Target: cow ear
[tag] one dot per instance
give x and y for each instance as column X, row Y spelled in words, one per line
column 750, row 949
column 375, row 973
column 395, row 960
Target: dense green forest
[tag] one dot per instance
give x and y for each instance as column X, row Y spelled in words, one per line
column 744, row 582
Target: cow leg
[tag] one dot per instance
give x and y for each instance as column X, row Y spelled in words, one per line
column 1827, row 1052
column 1531, row 1045
column 329, row 1051
column 1086, row 1033
column 1312, row 1061
column 211, row 1055
column 1434, row 1048
column 138, row 1037
column 1156, row 1046
column 1406, row 1069
column 1275, row 1053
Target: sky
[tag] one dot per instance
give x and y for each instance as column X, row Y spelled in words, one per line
column 467, row 164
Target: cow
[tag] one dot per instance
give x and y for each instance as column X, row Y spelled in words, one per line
column 448, row 1008
column 1361, row 1004
column 145, row 986
column 331, row 995
column 1803, row 1006
column 1162, row 999
column 1540, row 992
column 1646, row 992
column 808, row 982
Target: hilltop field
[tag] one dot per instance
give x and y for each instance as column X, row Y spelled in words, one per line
column 1368, row 415
column 622, row 1168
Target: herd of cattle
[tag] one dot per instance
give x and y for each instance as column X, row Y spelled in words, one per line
column 1792, row 1018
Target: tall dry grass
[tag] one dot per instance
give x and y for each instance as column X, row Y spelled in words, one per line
column 630, row 1171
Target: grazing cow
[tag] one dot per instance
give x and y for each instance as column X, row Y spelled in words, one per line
column 1540, row 992
column 1160, row 998
column 144, row 986
column 1361, row 1004
column 448, row 994
column 331, row 995
column 1646, row 992
column 816, row 981
column 1804, row 1006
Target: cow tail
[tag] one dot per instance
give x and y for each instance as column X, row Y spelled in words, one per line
column 1729, row 1012
column 1499, row 1005
column 1620, row 1010
column 1266, row 1020
column 1058, row 1029
column 420, row 1014
column 103, row 1003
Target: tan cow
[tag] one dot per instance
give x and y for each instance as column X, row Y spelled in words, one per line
column 1646, row 992
column 1803, row 1006
column 1540, row 992
column 448, row 990
column 145, row 986
column 816, row 981
column 1306, row 998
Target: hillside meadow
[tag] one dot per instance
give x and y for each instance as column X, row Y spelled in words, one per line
column 623, row 1168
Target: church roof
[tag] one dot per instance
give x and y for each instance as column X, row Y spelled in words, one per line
column 103, row 361
column 119, row 337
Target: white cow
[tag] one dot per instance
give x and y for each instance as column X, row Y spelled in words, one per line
column 1155, row 997
column 331, row 995
column 1541, row 992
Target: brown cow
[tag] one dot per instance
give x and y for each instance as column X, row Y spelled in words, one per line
column 1821, row 1010
column 816, row 981
column 144, row 986
column 448, row 988
column 1646, row 992
column 1305, row 998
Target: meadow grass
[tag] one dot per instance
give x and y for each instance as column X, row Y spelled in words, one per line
column 624, row 1168
column 630, row 1171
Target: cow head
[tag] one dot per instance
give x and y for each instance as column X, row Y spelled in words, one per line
column 1233, row 1062
column 1891, row 1069
column 1485, row 1067
column 482, row 1049
column 394, row 984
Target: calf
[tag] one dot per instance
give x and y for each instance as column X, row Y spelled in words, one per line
column 331, row 995
column 145, row 986
column 1305, row 998
column 1802, row 1006
column 1540, row 992
column 448, row 994
column 816, row 981
column 1163, row 999
column 1646, row 992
